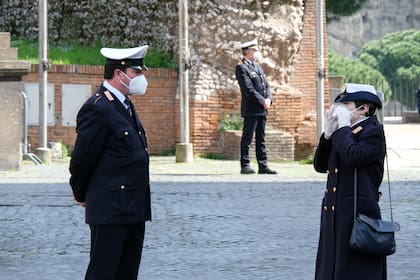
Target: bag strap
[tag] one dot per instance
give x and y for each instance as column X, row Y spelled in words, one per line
column 389, row 185
column 355, row 190
column 355, row 195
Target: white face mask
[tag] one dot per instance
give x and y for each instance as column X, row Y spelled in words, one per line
column 257, row 56
column 354, row 113
column 137, row 86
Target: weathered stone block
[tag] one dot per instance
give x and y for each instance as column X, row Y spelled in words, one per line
column 11, row 125
column 279, row 145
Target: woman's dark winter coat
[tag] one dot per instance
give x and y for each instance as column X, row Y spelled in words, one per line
column 363, row 147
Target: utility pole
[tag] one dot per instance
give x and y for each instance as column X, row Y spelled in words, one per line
column 184, row 149
column 42, row 151
column 320, row 67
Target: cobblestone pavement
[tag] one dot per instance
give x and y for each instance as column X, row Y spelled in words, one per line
column 208, row 222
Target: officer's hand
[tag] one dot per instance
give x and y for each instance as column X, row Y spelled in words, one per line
column 331, row 123
column 267, row 103
column 343, row 115
column 83, row 204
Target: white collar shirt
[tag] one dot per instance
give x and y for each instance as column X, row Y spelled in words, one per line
column 118, row 94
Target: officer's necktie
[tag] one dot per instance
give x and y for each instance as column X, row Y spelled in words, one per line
column 256, row 68
column 127, row 102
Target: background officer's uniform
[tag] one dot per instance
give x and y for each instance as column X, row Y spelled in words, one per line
column 254, row 90
column 110, row 172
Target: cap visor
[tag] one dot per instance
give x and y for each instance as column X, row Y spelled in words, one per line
column 143, row 68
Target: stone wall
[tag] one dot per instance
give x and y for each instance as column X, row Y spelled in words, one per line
column 284, row 28
column 376, row 19
column 126, row 23
column 216, row 29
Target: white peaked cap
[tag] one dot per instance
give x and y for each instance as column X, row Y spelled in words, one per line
column 359, row 92
column 352, row 88
column 250, row 44
column 131, row 53
column 131, row 57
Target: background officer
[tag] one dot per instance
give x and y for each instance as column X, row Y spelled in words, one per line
column 110, row 168
column 256, row 99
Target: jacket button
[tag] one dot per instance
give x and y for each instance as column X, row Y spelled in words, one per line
column 325, row 208
column 332, row 208
column 326, row 190
column 122, row 187
column 334, row 189
column 336, row 170
column 125, row 132
column 139, row 132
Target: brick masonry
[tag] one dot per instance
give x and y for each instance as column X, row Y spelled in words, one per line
column 293, row 110
column 156, row 108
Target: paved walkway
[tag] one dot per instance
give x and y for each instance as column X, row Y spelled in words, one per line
column 209, row 222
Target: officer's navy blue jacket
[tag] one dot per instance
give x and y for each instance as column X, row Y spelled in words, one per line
column 110, row 164
column 254, row 88
column 363, row 147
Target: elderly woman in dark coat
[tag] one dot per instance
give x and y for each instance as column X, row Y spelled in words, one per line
column 353, row 138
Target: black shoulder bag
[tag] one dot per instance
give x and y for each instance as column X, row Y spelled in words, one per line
column 373, row 236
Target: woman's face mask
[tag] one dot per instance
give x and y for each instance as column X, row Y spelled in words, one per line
column 355, row 115
column 137, row 85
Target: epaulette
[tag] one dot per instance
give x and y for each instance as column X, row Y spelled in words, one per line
column 109, row 96
column 357, row 129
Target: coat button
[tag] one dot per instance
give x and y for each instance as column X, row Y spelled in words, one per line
column 325, row 208
column 332, row 208
column 122, row 187
column 125, row 132
column 336, row 170
column 334, row 189
column 139, row 132
column 326, row 190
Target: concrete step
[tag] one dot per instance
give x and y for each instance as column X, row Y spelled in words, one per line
column 4, row 40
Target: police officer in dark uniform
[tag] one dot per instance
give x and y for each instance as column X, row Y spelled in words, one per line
column 353, row 139
column 256, row 99
column 110, row 168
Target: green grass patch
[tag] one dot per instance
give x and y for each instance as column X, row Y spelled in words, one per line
column 308, row 160
column 231, row 122
column 169, row 152
column 215, row 156
column 69, row 53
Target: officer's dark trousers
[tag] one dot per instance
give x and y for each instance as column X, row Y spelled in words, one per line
column 251, row 125
column 115, row 252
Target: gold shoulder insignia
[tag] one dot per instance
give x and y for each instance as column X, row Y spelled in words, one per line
column 357, row 130
column 109, row 95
